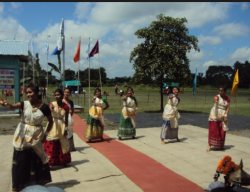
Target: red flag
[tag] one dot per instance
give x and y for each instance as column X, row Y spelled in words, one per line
column 77, row 55
column 95, row 49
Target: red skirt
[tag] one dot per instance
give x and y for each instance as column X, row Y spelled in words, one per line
column 216, row 135
column 54, row 150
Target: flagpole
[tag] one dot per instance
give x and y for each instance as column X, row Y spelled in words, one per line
column 89, row 75
column 99, row 66
column 79, row 67
column 236, row 102
column 33, row 58
column 46, row 91
column 23, row 78
column 63, row 59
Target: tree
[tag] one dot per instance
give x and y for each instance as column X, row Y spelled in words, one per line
column 70, row 75
column 219, row 75
column 162, row 56
column 244, row 74
column 40, row 74
column 94, row 77
column 57, row 69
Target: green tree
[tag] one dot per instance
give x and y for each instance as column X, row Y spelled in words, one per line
column 244, row 74
column 162, row 56
column 70, row 75
column 219, row 75
column 94, row 77
column 40, row 75
column 57, row 69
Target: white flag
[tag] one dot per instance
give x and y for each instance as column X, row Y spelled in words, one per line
column 47, row 47
column 60, row 38
column 88, row 49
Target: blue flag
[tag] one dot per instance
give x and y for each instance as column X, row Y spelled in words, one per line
column 195, row 80
column 60, row 41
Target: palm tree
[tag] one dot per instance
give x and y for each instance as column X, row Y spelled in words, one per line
column 57, row 69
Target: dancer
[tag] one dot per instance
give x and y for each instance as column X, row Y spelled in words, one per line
column 30, row 162
column 95, row 121
column 218, row 119
column 127, row 123
column 170, row 117
column 57, row 144
column 70, row 103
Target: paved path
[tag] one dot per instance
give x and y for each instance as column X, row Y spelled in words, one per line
column 106, row 166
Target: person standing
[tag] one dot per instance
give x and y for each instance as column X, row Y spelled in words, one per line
column 30, row 162
column 116, row 88
column 170, row 117
column 217, row 120
column 95, row 121
column 70, row 103
column 127, row 123
column 57, row 144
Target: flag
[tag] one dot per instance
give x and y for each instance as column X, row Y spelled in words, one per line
column 235, row 83
column 95, row 49
column 88, row 49
column 47, row 47
column 77, row 55
column 60, row 41
column 194, row 85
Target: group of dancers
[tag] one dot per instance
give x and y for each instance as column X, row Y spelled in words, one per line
column 37, row 149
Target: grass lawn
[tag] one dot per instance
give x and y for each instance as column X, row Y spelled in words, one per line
column 149, row 100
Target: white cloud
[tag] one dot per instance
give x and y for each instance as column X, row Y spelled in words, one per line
column 15, row 5
column 82, row 9
column 210, row 63
column 244, row 6
column 1, row 7
column 197, row 14
column 232, row 29
column 209, row 40
column 242, row 54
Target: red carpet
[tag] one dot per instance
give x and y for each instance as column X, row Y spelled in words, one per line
column 144, row 171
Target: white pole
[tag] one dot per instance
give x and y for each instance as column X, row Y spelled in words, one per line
column 236, row 102
column 63, row 61
column 89, row 75
column 33, row 59
column 23, row 78
column 46, row 91
column 79, row 67
column 99, row 68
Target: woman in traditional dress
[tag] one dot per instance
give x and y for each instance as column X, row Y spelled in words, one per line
column 57, row 144
column 170, row 117
column 218, row 120
column 30, row 162
column 70, row 103
column 95, row 121
column 127, row 123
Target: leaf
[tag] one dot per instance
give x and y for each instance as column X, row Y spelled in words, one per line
column 54, row 67
column 24, row 79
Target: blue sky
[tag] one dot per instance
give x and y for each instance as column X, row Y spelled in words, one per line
column 221, row 28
